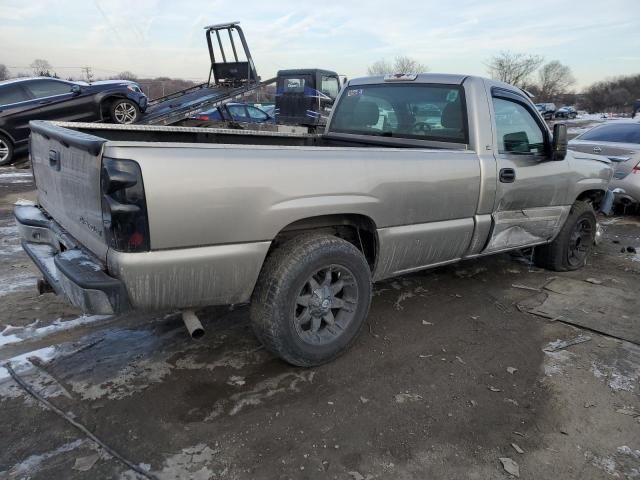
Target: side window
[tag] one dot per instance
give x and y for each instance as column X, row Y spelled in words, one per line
column 330, row 86
column 12, row 94
column 256, row 113
column 238, row 112
column 47, row 88
column 517, row 130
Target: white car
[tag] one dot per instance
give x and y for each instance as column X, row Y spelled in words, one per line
column 620, row 141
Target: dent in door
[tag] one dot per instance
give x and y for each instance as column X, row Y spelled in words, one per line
column 519, row 228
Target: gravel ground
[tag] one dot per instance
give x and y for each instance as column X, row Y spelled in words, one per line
column 451, row 376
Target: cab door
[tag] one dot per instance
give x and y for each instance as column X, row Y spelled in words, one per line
column 532, row 190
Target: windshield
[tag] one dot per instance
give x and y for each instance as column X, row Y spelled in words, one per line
column 423, row 112
column 621, row 133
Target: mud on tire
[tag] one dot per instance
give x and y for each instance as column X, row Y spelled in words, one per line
column 311, row 299
column 573, row 245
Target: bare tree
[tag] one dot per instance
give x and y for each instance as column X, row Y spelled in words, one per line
column 554, row 80
column 4, row 72
column 513, row 68
column 401, row 64
column 87, row 73
column 40, row 67
column 380, row 68
column 126, row 75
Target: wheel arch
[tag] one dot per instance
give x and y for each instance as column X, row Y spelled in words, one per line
column 593, row 195
column 106, row 101
column 9, row 136
column 359, row 230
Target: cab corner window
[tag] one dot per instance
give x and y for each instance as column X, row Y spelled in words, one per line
column 516, row 129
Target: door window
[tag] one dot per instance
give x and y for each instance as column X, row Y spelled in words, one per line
column 257, row 114
column 517, row 130
column 238, row 112
column 47, row 88
column 330, row 86
column 12, row 94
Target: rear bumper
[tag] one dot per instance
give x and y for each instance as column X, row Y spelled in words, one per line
column 69, row 270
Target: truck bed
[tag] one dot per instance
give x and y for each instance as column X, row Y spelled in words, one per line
column 170, row 134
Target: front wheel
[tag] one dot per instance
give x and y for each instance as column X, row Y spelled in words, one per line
column 573, row 245
column 124, row 112
column 6, row 150
column 312, row 299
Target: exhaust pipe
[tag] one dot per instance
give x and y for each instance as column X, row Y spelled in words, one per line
column 191, row 321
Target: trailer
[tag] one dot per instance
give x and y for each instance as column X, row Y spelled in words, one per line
column 230, row 78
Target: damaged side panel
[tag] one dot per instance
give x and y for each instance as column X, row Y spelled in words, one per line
column 413, row 247
column 521, row 228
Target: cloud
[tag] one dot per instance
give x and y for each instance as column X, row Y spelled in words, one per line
column 166, row 38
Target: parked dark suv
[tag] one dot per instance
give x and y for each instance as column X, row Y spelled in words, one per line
column 25, row 99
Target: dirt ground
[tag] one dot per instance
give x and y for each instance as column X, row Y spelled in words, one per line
column 452, row 374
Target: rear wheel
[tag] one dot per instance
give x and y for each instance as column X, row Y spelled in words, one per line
column 312, row 299
column 124, row 112
column 6, row 150
column 573, row 245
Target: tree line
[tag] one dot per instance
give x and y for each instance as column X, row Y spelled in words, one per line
column 549, row 81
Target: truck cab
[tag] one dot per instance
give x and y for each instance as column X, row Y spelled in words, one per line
column 305, row 96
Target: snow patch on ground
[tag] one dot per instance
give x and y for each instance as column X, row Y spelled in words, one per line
column 134, row 378
column 16, row 176
column 199, row 462
column 555, row 362
column 617, row 378
column 33, row 463
column 261, row 392
column 13, row 334
column 624, row 463
column 16, row 280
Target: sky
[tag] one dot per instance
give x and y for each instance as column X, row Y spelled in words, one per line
column 597, row 39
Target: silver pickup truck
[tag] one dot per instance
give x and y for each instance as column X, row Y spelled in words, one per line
column 412, row 172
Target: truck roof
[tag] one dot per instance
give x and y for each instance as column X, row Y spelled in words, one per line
column 306, row 71
column 444, row 78
column 451, row 79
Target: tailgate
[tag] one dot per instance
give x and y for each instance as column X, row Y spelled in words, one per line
column 624, row 157
column 66, row 168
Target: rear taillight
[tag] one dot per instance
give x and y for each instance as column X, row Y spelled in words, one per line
column 636, row 169
column 124, row 208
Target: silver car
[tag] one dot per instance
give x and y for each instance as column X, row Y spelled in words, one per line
column 620, row 141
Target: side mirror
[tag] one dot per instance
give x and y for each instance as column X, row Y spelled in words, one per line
column 559, row 143
column 75, row 89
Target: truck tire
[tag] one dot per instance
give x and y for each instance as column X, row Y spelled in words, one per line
column 6, row 150
column 124, row 112
column 311, row 299
column 572, row 246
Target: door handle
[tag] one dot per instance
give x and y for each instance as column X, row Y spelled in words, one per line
column 54, row 159
column 507, row 175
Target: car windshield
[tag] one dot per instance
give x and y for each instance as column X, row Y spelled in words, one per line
column 620, row 133
column 424, row 112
